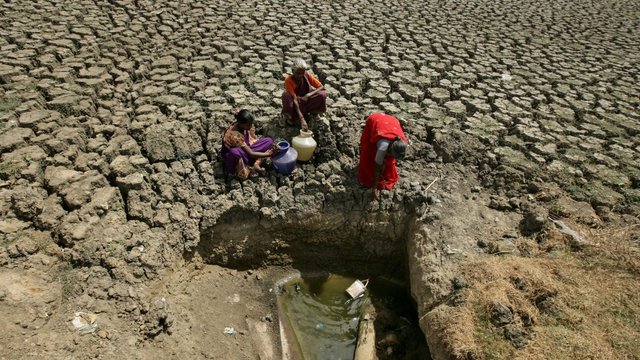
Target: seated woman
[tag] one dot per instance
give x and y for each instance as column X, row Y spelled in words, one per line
column 242, row 151
column 304, row 94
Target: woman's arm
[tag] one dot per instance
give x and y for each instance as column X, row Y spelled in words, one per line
column 297, row 106
column 376, row 178
column 310, row 94
column 256, row 154
column 316, row 84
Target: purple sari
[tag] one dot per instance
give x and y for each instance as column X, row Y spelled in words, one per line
column 236, row 160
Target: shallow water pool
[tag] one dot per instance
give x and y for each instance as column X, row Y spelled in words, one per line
column 324, row 319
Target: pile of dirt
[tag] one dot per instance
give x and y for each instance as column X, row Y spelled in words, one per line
column 557, row 300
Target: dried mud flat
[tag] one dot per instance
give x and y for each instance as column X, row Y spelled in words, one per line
column 113, row 201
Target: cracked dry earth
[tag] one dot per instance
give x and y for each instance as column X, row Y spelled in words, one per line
column 112, row 197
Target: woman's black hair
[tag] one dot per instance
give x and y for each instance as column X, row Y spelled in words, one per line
column 244, row 116
column 398, row 148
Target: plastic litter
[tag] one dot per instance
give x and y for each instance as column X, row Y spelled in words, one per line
column 357, row 288
column 229, row 330
column 578, row 240
column 85, row 323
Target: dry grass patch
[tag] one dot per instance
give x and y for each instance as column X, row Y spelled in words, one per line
column 558, row 303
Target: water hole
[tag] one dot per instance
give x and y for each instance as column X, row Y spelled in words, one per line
column 321, row 320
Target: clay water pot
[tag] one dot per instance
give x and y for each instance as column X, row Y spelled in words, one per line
column 305, row 145
column 285, row 160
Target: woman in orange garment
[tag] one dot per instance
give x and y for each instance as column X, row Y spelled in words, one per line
column 304, row 94
column 382, row 143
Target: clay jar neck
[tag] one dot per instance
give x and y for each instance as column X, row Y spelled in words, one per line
column 306, row 134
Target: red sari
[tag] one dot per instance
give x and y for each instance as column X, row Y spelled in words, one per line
column 378, row 126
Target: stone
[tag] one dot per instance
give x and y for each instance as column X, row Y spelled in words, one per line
column 516, row 335
column 28, row 202
column 131, row 182
column 10, row 226
column 456, row 109
column 14, row 138
column 500, row 314
column 31, row 119
column 158, row 145
column 535, row 220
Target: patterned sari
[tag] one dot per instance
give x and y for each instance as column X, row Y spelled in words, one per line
column 236, row 160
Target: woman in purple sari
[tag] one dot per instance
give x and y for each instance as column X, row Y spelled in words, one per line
column 304, row 94
column 242, row 151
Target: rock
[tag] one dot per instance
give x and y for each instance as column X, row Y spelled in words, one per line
column 14, row 137
column 158, row 319
column 10, row 226
column 27, row 202
column 500, row 314
column 31, row 119
column 458, row 283
column 52, row 213
column 499, row 203
column 516, row 335
column 134, row 181
column 121, row 166
column 27, row 246
column 158, row 144
column 535, row 220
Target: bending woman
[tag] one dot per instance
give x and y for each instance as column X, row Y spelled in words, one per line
column 381, row 144
column 242, row 151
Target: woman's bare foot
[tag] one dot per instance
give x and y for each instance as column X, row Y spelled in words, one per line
column 256, row 169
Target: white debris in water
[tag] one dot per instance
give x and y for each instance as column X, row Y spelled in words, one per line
column 506, row 77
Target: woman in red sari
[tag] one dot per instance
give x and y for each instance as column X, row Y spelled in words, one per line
column 303, row 95
column 382, row 142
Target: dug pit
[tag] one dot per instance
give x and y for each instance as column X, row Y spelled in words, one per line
column 418, row 244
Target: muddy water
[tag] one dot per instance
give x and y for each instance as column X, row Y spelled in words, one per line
column 325, row 320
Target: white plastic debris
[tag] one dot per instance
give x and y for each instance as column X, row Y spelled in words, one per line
column 85, row 322
column 578, row 240
column 451, row 251
column 229, row 330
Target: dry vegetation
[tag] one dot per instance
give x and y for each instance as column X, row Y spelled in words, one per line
column 558, row 303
